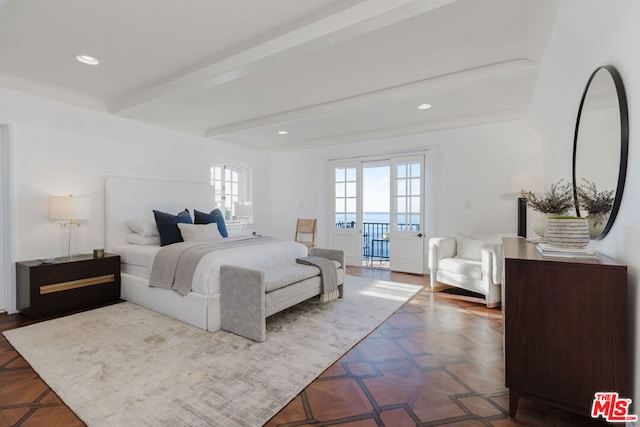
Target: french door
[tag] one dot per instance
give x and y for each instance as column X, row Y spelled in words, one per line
column 347, row 215
column 406, row 231
column 406, row 235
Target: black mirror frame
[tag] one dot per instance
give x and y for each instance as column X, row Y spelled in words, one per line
column 624, row 146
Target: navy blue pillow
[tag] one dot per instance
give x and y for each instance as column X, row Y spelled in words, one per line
column 208, row 218
column 168, row 226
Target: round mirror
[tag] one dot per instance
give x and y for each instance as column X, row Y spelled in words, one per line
column 600, row 149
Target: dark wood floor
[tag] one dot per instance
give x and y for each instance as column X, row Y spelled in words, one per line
column 436, row 361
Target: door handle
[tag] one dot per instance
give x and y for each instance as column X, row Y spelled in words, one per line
column 419, row 235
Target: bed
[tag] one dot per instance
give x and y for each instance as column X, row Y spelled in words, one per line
column 128, row 198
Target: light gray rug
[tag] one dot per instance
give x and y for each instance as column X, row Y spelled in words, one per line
column 124, row 365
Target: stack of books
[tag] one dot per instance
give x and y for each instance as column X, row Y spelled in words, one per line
column 546, row 249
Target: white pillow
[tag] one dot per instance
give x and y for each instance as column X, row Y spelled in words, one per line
column 469, row 249
column 138, row 239
column 143, row 226
column 199, row 232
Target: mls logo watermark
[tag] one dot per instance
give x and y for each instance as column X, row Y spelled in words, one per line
column 612, row 408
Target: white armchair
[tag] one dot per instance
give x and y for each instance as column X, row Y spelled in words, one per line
column 471, row 264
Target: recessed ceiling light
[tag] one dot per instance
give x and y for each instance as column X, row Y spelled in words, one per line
column 424, row 106
column 283, row 132
column 86, row 59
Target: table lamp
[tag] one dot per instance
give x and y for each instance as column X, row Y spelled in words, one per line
column 69, row 211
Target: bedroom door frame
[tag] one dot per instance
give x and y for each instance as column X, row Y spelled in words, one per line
column 7, row 297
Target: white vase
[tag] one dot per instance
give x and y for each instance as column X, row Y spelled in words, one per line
column 540, row 221
column 567, row 232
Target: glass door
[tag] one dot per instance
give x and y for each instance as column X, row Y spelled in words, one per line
column 347, row 215
column 406, row 231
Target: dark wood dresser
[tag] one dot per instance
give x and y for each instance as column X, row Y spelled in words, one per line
column 67, row 284
column 565, row 327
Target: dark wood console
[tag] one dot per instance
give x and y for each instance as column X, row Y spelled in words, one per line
column 565, row 327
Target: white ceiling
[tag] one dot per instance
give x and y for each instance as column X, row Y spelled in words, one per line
column 327, row 71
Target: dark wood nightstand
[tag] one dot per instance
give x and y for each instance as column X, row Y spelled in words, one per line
column 67, row 284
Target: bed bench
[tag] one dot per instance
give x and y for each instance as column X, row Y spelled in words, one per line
column 249, row 296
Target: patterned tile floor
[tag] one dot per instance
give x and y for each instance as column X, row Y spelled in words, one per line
column 436, row 361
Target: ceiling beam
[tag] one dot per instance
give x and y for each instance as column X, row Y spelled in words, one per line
column 518, row 67
column 400, row 131
column 365, row 17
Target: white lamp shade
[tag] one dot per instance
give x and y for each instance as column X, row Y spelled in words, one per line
column 522, row 181
column 68, row 208
column 243, row 210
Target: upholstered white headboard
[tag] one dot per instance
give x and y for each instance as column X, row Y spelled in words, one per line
column 127, row 198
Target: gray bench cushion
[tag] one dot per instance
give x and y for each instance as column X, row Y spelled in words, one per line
column 291, row 273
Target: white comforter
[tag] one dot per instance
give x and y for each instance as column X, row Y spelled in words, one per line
column 264, row 256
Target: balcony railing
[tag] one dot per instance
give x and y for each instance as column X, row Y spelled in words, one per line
column 375, row 233
column 375, row 240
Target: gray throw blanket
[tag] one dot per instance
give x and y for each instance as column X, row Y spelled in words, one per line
column 328, row 276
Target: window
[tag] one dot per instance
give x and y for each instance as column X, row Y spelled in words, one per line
column 231, row 184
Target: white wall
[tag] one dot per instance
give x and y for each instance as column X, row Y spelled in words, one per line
column 476, row 166
column 6, row 273
column 59, row 149
column 587, row 34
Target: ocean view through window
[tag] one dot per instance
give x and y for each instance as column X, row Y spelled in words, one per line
column 376, row 208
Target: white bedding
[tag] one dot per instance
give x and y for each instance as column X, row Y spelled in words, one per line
column 140, row 255
column 138, row 259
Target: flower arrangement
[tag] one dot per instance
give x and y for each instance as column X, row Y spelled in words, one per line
column 558, row 200
column 592, row 200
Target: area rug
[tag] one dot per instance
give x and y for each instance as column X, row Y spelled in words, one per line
column 124, row 365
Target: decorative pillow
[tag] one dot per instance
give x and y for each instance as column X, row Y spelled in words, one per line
column 199, row 232
column 138, row 239
column 168, row 226
column 469, row 249
column 143, row 226
column 208, row 218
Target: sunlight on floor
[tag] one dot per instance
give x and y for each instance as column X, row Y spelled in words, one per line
column 391, row 290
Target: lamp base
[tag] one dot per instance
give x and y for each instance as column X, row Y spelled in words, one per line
column 69, row 238
column 522, row 217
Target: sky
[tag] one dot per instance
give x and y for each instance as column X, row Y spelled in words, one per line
column 376, row 189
